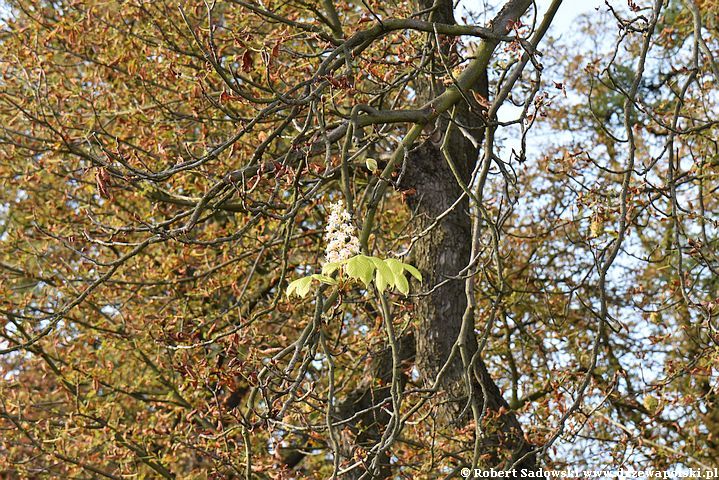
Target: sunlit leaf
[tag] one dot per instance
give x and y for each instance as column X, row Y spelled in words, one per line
column 384, row 277
column 413, row 271
column 401, row 282
column 299, row 287
column 330, row 268
column 324, row 279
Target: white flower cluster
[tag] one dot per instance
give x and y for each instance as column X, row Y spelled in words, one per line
column 340, row 235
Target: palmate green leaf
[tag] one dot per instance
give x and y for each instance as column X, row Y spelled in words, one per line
column 401, row 282
column 301, row 286
column 352, row 267
column 368, row 269
column 395, row 265
column 398, row 270
column 389, row 273
column 382, row 266
column 383, row 280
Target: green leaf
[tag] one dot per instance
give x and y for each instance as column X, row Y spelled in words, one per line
column 395, row 265
column 330, row 268
column 382, row 280
column 413, row 271
column 353, row 267
column 381, row 265
column 363, row 269
column 385, row 277
column 324, row 279
column 299, row 287
column 291, row 288
column 402, row 283
column 400, row 280
column 371, row 164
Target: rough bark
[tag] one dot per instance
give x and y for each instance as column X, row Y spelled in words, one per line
column 443, row 254
column 439, row 255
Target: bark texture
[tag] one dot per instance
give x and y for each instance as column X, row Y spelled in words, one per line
column 444, row 253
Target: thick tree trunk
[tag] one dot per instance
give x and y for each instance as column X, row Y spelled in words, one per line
column 440, row 255
column 443, row 254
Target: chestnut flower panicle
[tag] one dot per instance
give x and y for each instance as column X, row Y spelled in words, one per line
column 340, row 235
column 342, row 255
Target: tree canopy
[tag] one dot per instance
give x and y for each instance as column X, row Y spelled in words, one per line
column 357, row 239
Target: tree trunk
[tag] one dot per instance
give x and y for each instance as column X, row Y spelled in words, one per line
column 444, row 253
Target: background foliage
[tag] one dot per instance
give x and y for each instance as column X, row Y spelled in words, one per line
column 166, row 172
